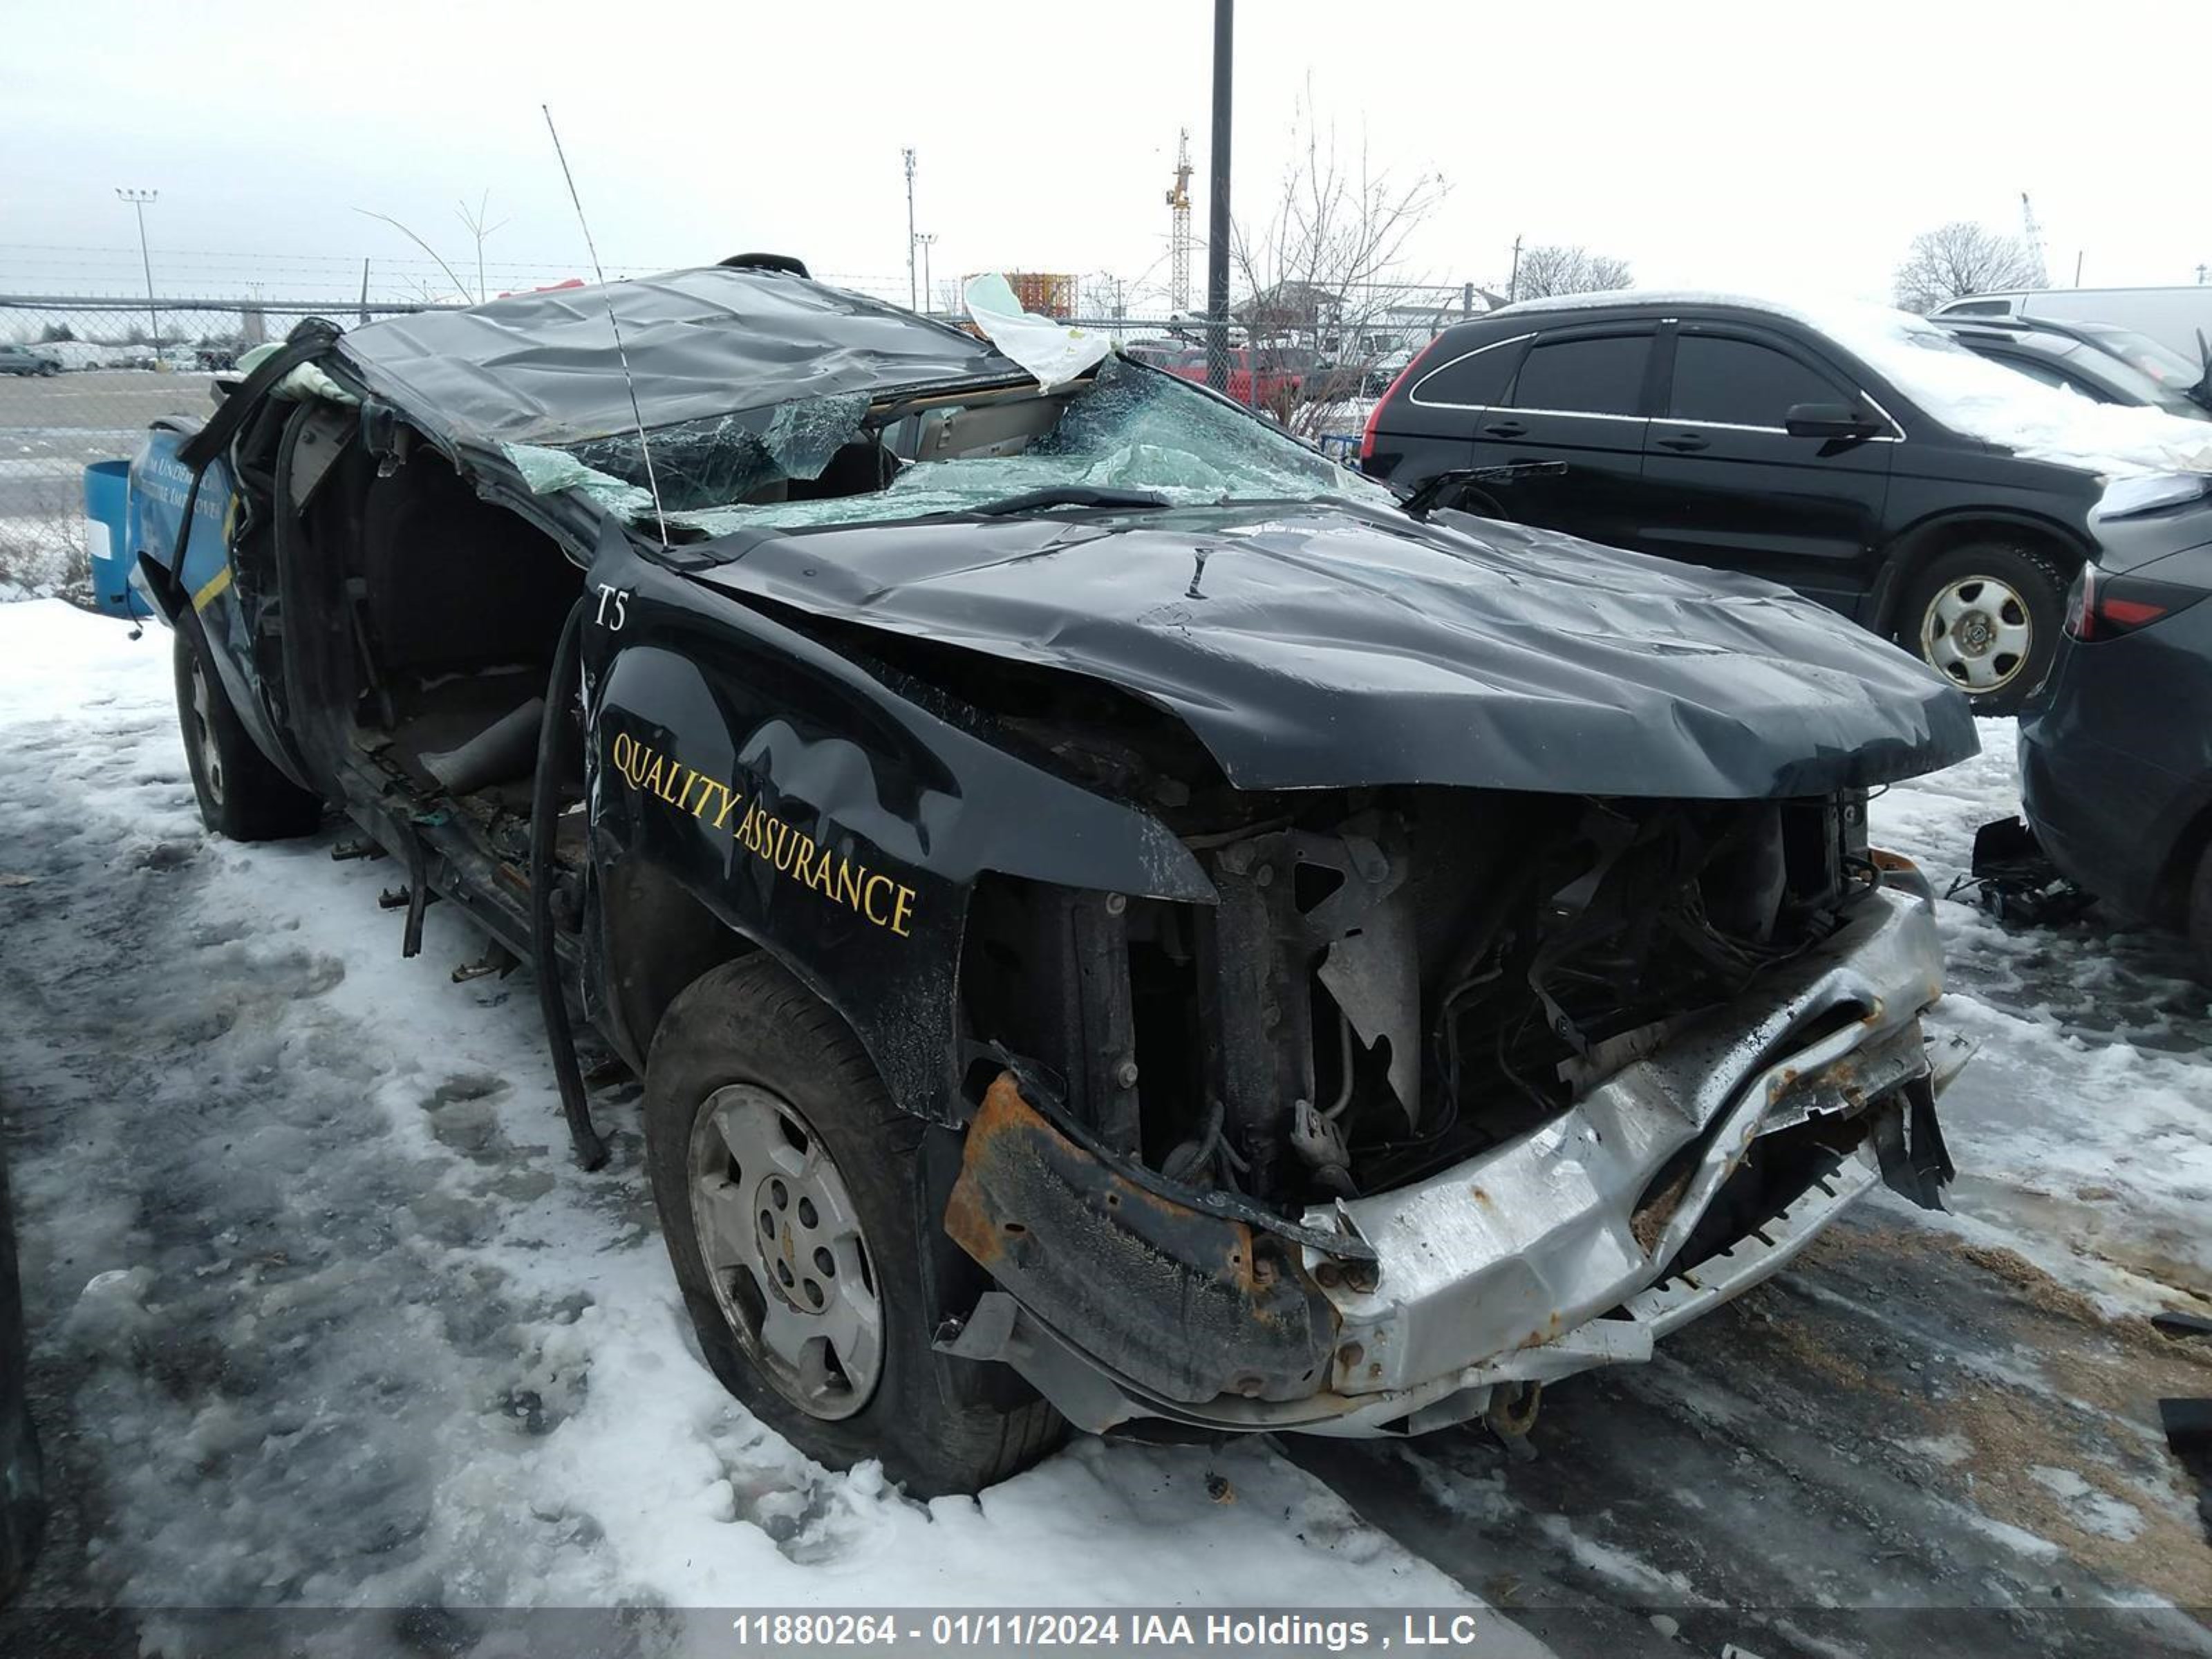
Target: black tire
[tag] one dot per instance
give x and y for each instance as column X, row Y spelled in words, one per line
column 2199, row 920
column 749, row 1022
column 2003, row 586
column 242, row 794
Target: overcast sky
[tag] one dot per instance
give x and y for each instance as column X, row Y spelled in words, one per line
column 1772, row 147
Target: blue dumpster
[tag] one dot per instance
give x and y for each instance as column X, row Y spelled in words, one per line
column 107, row 527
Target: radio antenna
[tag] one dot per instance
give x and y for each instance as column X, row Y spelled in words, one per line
column 652, row 480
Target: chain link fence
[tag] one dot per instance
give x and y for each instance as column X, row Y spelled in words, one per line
column 82, row 378
column 80, row 381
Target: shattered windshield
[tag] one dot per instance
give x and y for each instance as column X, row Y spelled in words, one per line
column 832, row 460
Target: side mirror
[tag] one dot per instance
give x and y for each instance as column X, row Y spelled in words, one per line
column 1828, row 421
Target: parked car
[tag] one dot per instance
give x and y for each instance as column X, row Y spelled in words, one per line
column 2177, row 317
column 1384, row 371
column 2115, row 752
column 1862, row 457
column 1260, row 377
column 75, row 354
column 2109, row 365
column 1090, row 886
column 29, row 360
column 1162, row 353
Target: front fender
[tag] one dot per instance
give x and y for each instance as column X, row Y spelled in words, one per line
column 823, row 816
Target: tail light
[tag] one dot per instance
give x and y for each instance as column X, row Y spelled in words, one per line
column 2100, row 606
column 1367, row 432
column 1375, row 414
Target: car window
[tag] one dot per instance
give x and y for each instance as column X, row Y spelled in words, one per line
column 2145, row 355
column 1978, row 308
column 1741, row 383
column 1600, row 374
column 2049, row 373
column 1475, row 378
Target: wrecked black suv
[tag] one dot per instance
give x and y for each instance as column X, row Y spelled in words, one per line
column 1119, row 922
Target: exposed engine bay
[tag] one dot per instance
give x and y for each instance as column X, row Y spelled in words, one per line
column 1395, row 979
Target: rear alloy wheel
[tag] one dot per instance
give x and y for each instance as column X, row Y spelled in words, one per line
column 1986, row 618
column 790, row 1198
column 241, row 794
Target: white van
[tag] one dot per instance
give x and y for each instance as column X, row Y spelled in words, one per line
column 2174, row 317
column 75, row 354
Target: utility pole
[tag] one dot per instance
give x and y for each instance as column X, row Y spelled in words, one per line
column 139, row 200
column 925, row 239
column 1513, row 283
column 913, row 294
column 1217, row 245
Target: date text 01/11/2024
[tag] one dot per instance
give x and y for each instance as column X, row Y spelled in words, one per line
column 1287, row 1632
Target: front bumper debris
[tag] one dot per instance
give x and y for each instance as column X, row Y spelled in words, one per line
column 1543, row 1256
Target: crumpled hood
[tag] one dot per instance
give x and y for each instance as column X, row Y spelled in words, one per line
column 1319, row 645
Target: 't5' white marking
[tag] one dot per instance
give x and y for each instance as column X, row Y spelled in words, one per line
column 621, row 600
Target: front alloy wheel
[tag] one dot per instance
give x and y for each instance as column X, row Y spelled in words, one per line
column 783, row 1243
column 794, row 1205
column 1978, row 631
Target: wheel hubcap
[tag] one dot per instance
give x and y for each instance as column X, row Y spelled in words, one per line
column 783, row 1242
column 203, row 736
column 1976, row 631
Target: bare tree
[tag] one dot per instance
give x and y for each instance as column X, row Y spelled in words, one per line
column 1551, row 268
column 478, row 231
column 1313, row 272
column 477, row 221
column 1961, row 258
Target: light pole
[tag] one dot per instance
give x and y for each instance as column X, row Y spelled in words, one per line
column 924, row 239
column 913, row 295
column 138, row 200
column 1217, row 231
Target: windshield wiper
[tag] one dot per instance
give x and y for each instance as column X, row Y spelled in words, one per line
column 1032, row 501
column 1431, row 494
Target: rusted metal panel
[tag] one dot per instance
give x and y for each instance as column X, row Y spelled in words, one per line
column 1185, row 1304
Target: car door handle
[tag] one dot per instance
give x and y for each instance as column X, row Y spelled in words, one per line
column 1505, row 428
column 1685, row 442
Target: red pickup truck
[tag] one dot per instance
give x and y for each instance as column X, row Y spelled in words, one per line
column 1279, row 381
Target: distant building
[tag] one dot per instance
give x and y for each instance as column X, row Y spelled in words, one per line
column 1048, row 293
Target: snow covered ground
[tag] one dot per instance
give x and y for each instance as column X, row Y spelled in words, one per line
column 324, row 1316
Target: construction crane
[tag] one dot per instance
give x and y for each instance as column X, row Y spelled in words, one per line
column 1179, row 234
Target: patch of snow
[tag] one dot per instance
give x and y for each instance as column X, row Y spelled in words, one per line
column 2018, row 1539
column 1610, row 1562
column 42, row 557
column 2092, row 1509
column 2079, row 1128
column 1945, row 1449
